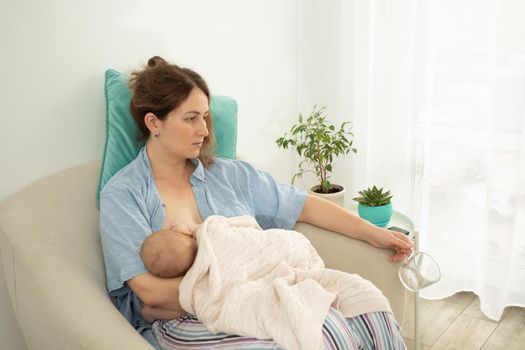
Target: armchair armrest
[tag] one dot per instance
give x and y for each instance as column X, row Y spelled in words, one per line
column 54, row 269
column 355, row 256
column 63, row 304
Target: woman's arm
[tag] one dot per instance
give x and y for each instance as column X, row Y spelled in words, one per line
column 323, row 213
column 160, row 296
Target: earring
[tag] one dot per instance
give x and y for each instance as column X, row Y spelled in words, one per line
column 156, row 134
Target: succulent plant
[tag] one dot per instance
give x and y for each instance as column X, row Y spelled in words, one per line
column 373, row 197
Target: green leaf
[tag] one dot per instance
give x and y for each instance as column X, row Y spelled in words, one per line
column 373, row 197
column 318, row 143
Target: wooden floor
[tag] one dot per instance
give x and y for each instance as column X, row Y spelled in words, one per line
column 457, row 323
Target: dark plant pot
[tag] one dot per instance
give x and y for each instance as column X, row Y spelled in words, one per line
column 379, row 216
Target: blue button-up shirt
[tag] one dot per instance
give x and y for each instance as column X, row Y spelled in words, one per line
column 131, row 209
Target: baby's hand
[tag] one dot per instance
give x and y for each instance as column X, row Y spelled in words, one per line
column 174, row 227
column 184, row 228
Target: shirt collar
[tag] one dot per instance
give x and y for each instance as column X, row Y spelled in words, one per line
column 198, row 173
column 145, row 159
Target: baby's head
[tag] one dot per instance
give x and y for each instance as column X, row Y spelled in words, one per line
column 168, row 253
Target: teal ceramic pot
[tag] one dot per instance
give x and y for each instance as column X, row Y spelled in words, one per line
column 379, row 216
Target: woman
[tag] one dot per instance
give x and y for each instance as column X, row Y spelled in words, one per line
column 175, row 180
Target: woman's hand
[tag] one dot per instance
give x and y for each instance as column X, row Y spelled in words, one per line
column 160, row 295
column 397, row 241
column 151, row 313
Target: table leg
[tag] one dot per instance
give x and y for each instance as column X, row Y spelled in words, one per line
column 416, row 320
column 416, row 300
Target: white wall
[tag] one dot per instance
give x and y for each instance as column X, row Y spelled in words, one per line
column 54, row 54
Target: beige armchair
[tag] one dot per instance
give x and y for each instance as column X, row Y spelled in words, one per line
column 52, row 260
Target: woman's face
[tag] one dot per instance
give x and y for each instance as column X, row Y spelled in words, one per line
column 184, row 129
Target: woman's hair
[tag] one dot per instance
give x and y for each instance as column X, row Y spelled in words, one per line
column 161, row 87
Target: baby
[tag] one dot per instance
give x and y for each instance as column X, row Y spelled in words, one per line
column 169, row 253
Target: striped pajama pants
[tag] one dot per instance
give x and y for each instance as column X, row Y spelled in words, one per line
column 376, row 330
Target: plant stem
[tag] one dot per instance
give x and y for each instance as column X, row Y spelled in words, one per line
column 322, row 168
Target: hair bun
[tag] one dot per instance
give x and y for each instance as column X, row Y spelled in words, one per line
column 156, row 61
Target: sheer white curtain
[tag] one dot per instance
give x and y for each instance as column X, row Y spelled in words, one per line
column 382, row 60
column 470, row 147
column 439, row 110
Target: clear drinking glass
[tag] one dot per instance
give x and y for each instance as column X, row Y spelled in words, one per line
column 419, row 271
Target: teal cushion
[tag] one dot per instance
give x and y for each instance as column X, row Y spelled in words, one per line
column 122, row 134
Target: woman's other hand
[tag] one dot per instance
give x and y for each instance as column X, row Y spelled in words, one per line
column 162, row 293
column 151, row 313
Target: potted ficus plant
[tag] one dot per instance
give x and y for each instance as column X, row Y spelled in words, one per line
column 319, row 143
column 374, row 205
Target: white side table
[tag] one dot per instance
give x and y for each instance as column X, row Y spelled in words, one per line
column 402, row 221
column 398, row 219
